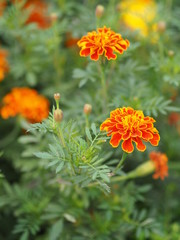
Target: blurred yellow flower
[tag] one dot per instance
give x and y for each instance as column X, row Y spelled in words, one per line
column 139, row 15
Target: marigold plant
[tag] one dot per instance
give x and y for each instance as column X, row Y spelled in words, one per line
column 129, row 125
column 160, row 162
column 25, row 102
column 104, row 41
column 4, row 67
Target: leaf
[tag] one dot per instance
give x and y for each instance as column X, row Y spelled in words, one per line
column 25, row 236
column 69, row 217
column 93, row 127
column 88, row 134
column 104, row 177
column 94, row 176
column 43, row 155
column 59, row 168
column 56, row 230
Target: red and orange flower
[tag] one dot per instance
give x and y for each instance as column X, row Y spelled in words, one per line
column 4, row 66
column 25, row 102
column 104, row 41
column 129, row 125
column 160, row 162
column 37, row 13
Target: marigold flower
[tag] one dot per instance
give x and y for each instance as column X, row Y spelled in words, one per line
column 129, row 125
column 4, row 66
column 139, row 15
column 160, row 161
column 37, row 13
column 103, row 41
column 25, row 102
column 2, row 6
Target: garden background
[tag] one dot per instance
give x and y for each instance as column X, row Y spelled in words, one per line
column 61, row 177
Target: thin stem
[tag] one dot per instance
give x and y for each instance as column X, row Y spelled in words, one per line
column 61, row 137
column 104, row 87
column 87, row 120
column 124, row 156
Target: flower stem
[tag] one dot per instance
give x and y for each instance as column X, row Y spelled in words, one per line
column 61, row 137
column 104, row 87
column 124, row 156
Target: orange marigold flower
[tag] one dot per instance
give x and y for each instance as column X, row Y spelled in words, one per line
column 130, row 126
column 103, row 41
column 25, row 102
column 2, row 6
column 160, row 161
column 37, row 13
column 4, row 66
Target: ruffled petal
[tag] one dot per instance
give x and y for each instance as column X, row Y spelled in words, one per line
column 127, row 146
column 139, row 144
column 115, row 140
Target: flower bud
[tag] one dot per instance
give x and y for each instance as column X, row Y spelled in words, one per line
column 99, row 11
column 57, row 96
column 161, row 26
column 58, row 115
column 170, row 53
column 87, row 108
column 54, row 17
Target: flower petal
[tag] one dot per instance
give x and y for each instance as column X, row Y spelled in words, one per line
column 127, row 146
column 115, row 140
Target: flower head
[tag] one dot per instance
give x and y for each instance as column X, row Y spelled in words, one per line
column 139, row 15
column 160, row 162
column 2, row 6
column 4, row 67
column 25, row 102
column 104, row 41
column 37, row 13
column 129, row 125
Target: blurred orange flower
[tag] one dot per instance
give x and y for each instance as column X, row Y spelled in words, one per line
column 37, row 13
column 139, row 15
column 103, row 41
column 130, row 126
column 160, row 161
column 25, row 102
column 174, row 119
column 2, row 6
column 4, row 66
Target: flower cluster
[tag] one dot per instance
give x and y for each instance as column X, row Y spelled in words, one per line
column 129, row 125
column 160, row 162
column 27, row 103
column 37, row 13
column 104, row 41
column 139, row 15
column 4, row 67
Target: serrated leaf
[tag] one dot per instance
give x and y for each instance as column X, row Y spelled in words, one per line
column 93, row 127
column 60, row 167
column 43, row 155
column 88, row 134
column 56, row 230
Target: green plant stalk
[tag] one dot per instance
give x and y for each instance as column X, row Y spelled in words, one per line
column 87, row 120
column 124, row 156
column 104, row 88
column 61, row 137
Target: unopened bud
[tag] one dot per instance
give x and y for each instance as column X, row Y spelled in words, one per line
column 54, row 17
column 87, row 108
column 58, row 115
column 99, row 11
column 170, row 53
column 144, row 169
column 57, row 96
column 161, row 26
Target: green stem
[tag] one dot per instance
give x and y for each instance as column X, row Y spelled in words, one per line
column 104, row 88
column 124, row 156
column 87, row 120
column 61, row 137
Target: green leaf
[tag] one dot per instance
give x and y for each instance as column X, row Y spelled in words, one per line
column 60, row 167
column 88, row 134
column 93, row 127
column 56, row 230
